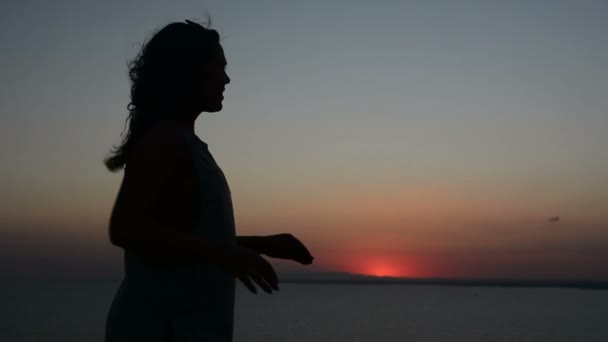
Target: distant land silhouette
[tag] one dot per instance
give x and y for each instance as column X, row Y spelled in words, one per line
column 310, row 277
column 317, row 277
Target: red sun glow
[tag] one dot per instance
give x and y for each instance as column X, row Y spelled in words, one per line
column 384, row 268
column 384, row 271
column 373, row 265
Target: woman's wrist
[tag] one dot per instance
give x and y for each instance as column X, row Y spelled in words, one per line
column 256, row 243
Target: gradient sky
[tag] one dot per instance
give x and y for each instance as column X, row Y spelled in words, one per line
column 410, row 138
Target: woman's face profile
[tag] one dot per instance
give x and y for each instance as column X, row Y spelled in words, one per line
column 213, row 83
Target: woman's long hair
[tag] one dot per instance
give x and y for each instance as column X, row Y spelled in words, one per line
column 162, row 76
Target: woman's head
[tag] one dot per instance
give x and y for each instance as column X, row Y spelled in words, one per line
column 180, row 71
column 180, row 67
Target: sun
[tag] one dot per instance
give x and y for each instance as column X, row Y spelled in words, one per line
column 384, row 271
column 396, row 266
column 384, row 268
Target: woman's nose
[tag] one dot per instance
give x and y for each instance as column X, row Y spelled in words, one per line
column 227, row 78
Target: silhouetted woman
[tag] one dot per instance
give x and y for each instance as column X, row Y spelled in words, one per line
column 173, row 214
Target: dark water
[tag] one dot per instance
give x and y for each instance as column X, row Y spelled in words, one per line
column 75, row 311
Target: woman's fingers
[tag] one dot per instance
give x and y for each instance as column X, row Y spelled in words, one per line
column 262, row 274
column 306, row 259
column 251, row 269
column 245, row 280
column 261, row 282
column 303, row 255
column 258, row 279
column 267, row 272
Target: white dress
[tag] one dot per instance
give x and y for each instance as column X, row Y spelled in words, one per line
column 186, row 303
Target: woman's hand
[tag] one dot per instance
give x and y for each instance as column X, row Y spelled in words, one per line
column 249, row 267
column 285, row 246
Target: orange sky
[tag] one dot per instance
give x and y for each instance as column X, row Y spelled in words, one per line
column 417, row 231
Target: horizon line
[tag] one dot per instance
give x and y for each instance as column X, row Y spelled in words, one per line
column 350, row 278
column 472, row 282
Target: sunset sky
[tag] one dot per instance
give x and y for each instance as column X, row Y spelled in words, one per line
column 403, row 138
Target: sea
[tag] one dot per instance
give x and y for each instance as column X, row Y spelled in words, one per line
column 75, row 310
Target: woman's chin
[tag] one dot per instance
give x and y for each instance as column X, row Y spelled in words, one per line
column 213, row 108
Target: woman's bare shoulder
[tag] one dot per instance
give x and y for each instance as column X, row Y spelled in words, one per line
column 162, row 143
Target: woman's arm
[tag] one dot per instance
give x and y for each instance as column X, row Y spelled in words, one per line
column 147, row 238
column 154, row 162
column 280, row 246
column 252, row 242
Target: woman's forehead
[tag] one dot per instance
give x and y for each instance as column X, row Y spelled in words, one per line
column 218, row 57
column 214, row 62
column 222, row 57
